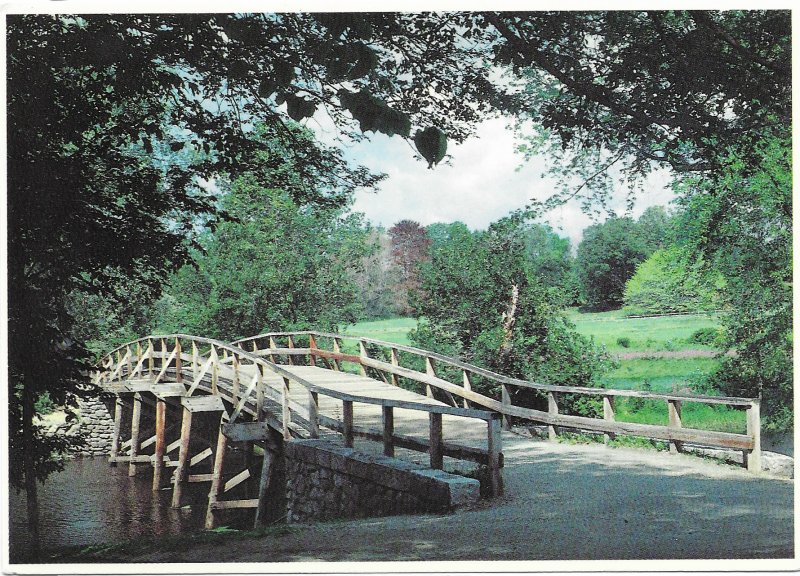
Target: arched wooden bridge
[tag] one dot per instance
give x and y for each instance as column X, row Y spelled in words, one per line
column 272, row 388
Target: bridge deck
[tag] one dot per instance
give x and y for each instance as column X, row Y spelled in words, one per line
column 455, row 429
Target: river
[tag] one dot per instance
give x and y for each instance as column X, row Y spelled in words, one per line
column 91, row 502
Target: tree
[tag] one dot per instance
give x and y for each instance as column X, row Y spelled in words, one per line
column 280, row 266
column 627, row 89
column 551, row 260
column 91, row 197
column 410, row 245
column 377, row 279
column 607, row 258
column 740, row 220
column 669, row 281
column 483, row 301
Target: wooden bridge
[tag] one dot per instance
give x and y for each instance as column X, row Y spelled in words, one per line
column 272, row 388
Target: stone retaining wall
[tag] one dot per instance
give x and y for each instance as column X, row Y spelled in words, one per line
column 96, row 425
column 326, row 481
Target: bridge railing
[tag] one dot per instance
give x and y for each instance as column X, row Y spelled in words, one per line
column 246, row 380
column 393, row 362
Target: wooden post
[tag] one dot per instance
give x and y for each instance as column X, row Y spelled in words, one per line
column 216, row 476
column 362, row 350
column 182, row 471
column 674, row 412
column 118, row 405
column 263, row 485
column 272, row 345
column 139, row 354
column 430, row 370
column 164, row 355
column 347, row 419
column 753, row 458
column 150, row 362
column 608, row 416
column 195, row 361
column 552, row 409
column 158, row 461
column 286, row 415
column 136, row 419
column 337, row 348
column 214, row 369
column 129, row 363
column 506, row 400
column 495, row 448
column 396, row 363
column 178, row 361
column 235, row 382
column 313, row 414
column 260, row 394
column 387, row 414
column 312, row 344
column 467, row 386
column 290, row 357
column 437, row 459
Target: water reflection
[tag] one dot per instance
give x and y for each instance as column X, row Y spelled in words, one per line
column 91, row 502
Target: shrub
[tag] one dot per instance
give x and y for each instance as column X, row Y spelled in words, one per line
column 705, row 336
column 624, row 341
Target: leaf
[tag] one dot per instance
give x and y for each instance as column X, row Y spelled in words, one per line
column 432, row 144
column 373, row 114
column 299, row 108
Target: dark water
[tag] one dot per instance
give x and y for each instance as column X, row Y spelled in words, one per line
column 92, row 502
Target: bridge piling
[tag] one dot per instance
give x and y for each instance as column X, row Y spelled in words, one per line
column 136, row 419
column 158, row 457
column 182, row 471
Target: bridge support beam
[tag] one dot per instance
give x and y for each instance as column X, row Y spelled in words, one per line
column 136, row 420
column 158, row 458
column 216, row 475
column 182, row 472
column 118, row 408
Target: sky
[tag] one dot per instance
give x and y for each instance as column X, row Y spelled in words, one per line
column 485, row 181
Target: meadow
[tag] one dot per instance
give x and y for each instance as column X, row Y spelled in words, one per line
column 647, row 337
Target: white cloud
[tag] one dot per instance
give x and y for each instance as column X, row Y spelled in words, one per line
column 483, row 183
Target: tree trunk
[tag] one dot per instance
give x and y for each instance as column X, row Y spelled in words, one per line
column 509, row 319
column 29, row 465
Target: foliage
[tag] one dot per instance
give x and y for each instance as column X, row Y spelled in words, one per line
column 630, row 89
column 741, row 222
column 706, row 336
column 280, row 266
column 624, row 341
column 484, row 303
column 607, row 258
column 410, row 245
column 669, row 281
column 550, row 259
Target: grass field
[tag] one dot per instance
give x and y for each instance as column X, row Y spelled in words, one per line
column 668, row 333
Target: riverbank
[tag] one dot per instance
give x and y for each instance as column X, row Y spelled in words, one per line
column 562, row 502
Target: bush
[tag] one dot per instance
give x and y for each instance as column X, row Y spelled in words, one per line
column 624, row 341
column 705, row 336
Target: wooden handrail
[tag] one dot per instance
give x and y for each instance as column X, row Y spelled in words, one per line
column 674, row 432
column 221, row 359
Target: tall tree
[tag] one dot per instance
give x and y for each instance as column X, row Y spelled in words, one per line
column 410, row 245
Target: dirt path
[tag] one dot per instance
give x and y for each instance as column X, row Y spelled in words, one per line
column 562, row 502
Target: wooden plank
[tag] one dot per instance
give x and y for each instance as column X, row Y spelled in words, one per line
column 210, row 403
column 608, row 415
column 674, row 417
column 236, row 480
column 231, row 504
column 168, row 390
column 200, row 456
column 246, row 431
column 199, row 477
column 505, row 398
column 494, row 441
column 313, row 414
column 552, row 411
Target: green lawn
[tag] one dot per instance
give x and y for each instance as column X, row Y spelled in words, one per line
column 669, row 333
column 645, row 334
column 392, row 330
